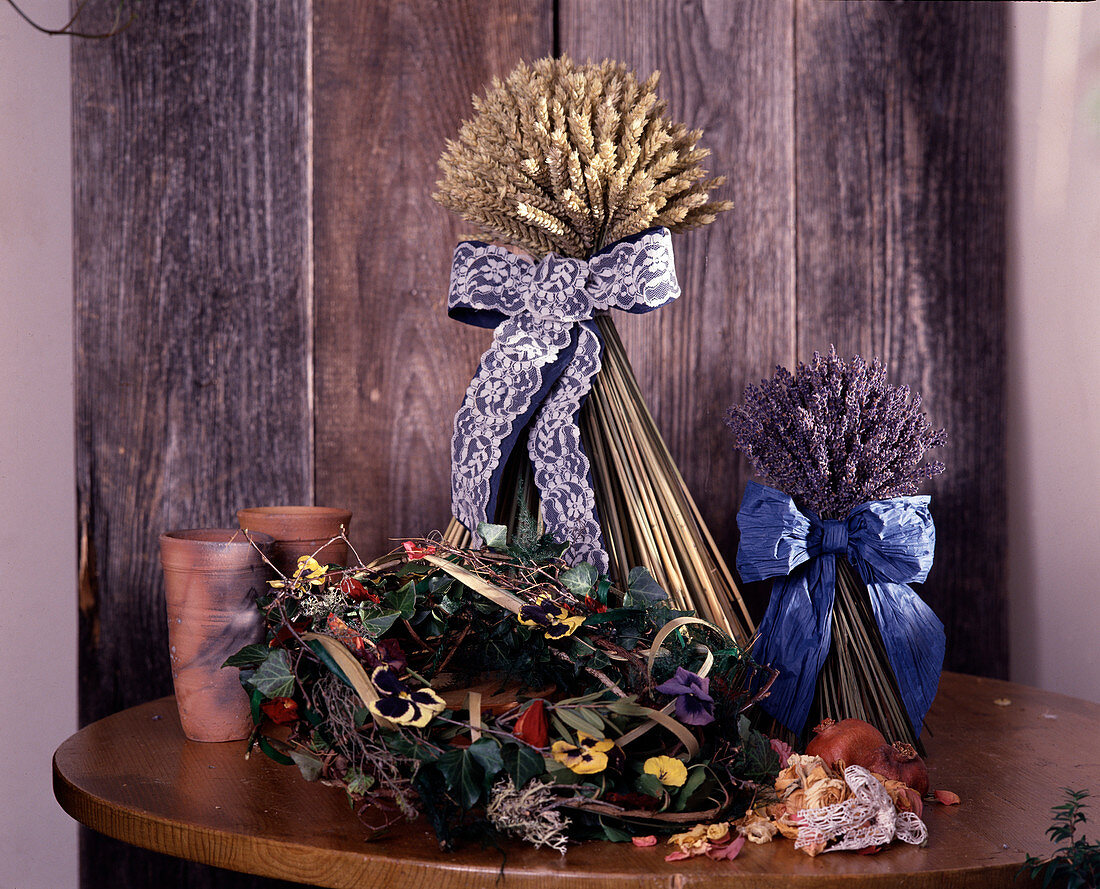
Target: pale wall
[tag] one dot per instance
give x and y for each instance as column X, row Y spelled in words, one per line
column 1054, row 419
column 1054, row 349
column 38, row 841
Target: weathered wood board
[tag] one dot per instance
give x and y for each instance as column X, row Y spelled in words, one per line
column 261, row 274
column 192, row 325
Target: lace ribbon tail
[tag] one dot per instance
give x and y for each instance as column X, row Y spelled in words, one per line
column 502, row 397
column 562, row 468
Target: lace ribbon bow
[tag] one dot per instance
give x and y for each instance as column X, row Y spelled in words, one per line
column 539, row 369
column 868, row 819
column 890, row 543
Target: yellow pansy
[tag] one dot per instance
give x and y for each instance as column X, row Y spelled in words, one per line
column 310, row 570
column 587, row 757
column 667, row 769
column 550, row 616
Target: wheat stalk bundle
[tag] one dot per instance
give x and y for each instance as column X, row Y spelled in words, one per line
column 568, row 158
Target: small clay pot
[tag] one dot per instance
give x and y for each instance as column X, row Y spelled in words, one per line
column 211, row 580
column 299, row 531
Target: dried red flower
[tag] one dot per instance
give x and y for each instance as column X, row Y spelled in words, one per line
column 281, row 710
column 532, row 726
column 355, row 591
column 415, row 551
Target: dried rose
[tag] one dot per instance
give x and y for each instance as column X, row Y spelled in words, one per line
column 757, row 829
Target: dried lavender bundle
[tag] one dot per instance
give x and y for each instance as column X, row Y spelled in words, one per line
column 836, row 434
column 833, row 436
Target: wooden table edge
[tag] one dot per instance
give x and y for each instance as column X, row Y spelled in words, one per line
column 286, row 859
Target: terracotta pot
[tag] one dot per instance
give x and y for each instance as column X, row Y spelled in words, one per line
column 211, row 580
column 299, row 531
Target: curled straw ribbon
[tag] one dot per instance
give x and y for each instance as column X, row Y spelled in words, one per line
column 363, row 686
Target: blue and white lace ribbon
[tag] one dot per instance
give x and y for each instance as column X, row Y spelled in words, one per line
column 538, row 371
column 891, row 543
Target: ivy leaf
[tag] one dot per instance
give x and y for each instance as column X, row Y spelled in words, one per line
column 650, row 785
column 487, row 753
column 642, row 590
column 438, row 584
column 495, row 536
column 579, row 579
column 412, row 746
column 249, row 656
column 377, row 624
column 613, row 834
column 464, row 776
column 695, row 778
column 357, row 782
column 757, row 761
column 404, row 600
column 309, row 766
column 273, row 678
column 522, row 763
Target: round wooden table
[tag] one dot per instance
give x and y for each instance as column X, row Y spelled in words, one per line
column 1006, row 749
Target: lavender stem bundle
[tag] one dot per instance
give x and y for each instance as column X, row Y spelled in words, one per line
column 836, row 437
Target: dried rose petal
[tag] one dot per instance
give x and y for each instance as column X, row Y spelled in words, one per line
column 417, row 552
column 947, row 797
column 783, row 749
column 678, row 855
column 644, row 841
column 727, row 852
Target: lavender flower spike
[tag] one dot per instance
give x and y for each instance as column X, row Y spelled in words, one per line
column 694, row 705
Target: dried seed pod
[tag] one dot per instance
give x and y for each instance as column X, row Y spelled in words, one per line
column 850, row 741
column 899, row 761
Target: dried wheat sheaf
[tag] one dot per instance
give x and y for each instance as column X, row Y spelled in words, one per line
column 566, row 158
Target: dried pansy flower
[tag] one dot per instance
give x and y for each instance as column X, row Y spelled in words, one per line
column 667, row 769
column 588, row 756
column 398, row 703
column 551, row 617
column 694, row 705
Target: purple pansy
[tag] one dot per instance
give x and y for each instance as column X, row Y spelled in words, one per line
column 694, row 705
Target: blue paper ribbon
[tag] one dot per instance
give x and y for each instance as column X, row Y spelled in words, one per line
column 539, row 369
column 890, row 543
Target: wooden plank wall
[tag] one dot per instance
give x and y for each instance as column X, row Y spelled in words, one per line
column 192, row 326
column 900, row 154
column 221, row 361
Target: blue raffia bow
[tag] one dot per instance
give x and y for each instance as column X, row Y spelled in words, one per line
column 890, row 543
column 546, row 350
